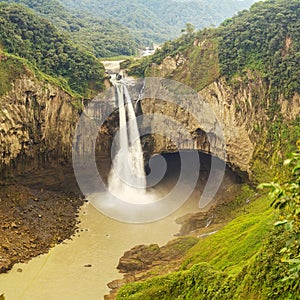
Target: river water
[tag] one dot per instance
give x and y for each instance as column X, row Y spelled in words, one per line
column 61, row 274
column 81, row 267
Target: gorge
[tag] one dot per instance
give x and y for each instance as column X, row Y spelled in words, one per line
column 218, row 113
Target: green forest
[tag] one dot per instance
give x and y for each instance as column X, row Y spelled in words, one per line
column 99, row 36
column 66, row 42
column 121, row 28
column 157, row 21
column 35, row 39
column 251, row 40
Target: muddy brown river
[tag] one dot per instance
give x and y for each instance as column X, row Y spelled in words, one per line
column 63, row 272
column 81, row 267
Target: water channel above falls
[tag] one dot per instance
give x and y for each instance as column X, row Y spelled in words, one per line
column 63, row 272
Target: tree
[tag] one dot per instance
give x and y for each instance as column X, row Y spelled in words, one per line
column 286, row 196
column 189, row 29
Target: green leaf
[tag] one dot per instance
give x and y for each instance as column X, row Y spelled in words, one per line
column 296, row 168
column 283, row 249
column 266, row 185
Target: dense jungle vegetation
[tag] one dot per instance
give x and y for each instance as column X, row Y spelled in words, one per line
column 157, row 21
column 63, row 40
column 123, row 27
column 35, row 39
column 101, row 36
column 265, row 38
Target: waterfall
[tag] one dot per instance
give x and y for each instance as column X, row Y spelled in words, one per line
column 127, row 179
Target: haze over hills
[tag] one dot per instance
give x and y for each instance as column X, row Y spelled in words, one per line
column 156, row 20
column 121, row 27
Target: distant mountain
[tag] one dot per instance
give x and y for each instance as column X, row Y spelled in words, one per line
column 118, row 27
column 157, row 20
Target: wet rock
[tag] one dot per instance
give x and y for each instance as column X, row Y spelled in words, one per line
column 115, row 284
column 130, row 265
column 138, row 262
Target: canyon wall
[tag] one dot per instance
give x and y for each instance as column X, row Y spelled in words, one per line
column 37, row 121
column 242, row 109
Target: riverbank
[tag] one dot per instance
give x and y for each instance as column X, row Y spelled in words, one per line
column 145, row 261
column 35, row 217
column 237, row 211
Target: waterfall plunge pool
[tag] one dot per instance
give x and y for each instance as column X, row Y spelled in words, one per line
column 80, row 268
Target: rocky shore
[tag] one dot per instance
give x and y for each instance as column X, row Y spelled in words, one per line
column 34, row 219
column 142, row 262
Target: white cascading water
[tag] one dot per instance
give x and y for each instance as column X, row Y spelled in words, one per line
column 127, row 179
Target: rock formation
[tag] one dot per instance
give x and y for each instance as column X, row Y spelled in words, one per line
column 37, row 121
column 241, row 109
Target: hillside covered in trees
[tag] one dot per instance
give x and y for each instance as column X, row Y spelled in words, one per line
column 63, row 40
column 251, row 40
column 158, row 21
column 35, row 39
column 121, row 28
column 99, row 36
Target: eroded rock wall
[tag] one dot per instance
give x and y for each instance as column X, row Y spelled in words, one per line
column 37, row 122
column 242, row 108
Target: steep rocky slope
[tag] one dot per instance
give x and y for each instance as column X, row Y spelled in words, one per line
column 39, row 200
column 243, row 112
column 37, row 124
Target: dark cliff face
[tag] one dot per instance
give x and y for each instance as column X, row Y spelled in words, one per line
column 37, row 122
